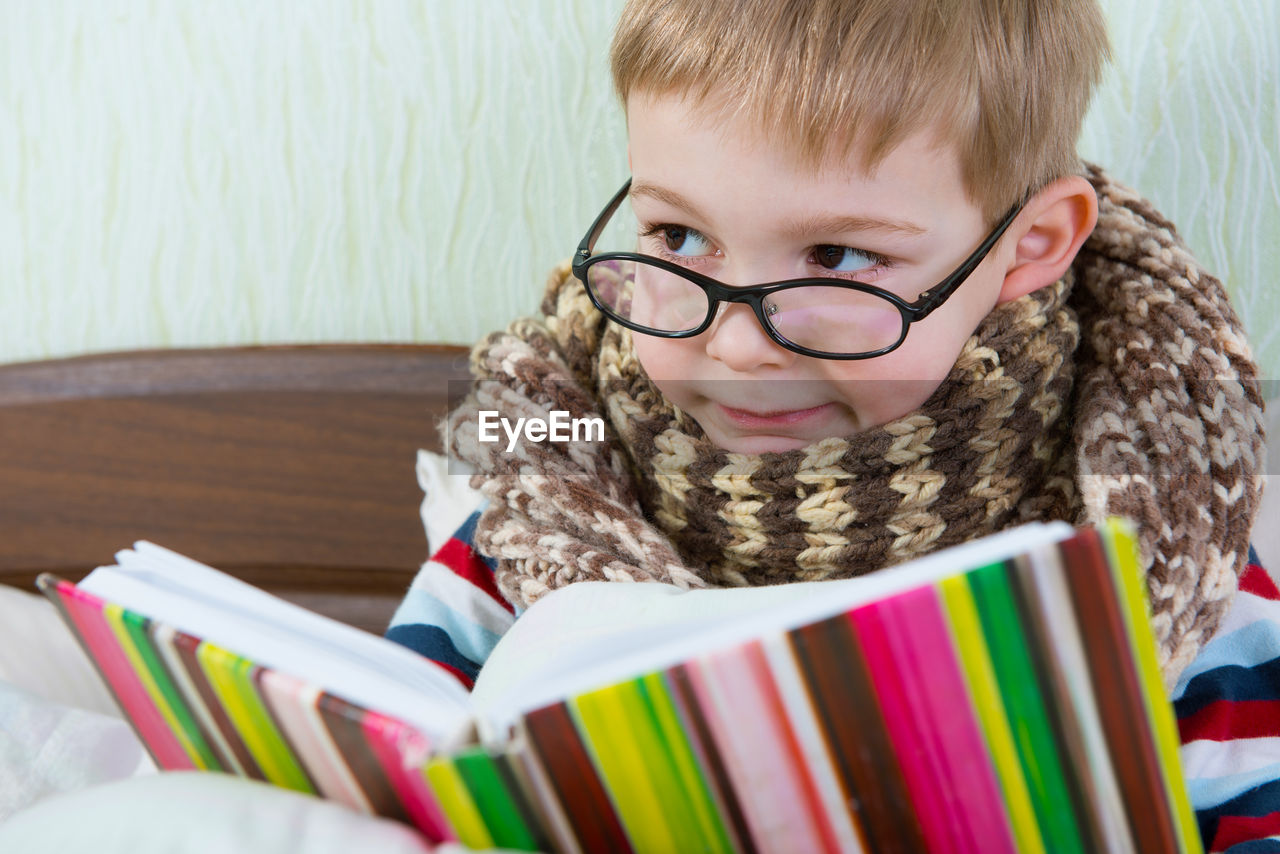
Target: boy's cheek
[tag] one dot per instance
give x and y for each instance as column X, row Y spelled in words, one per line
column 665, row 358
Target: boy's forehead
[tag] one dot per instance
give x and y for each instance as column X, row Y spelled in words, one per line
column 662, row 126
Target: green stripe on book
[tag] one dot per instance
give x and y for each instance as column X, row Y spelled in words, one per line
column 1025, row 708
column 497, row 808
column 1037, row 582
column 609, row 720
column 166, row 694
column 232, row 680
column 687, row 781
column 980, row 675
column 511, row 768
column 459, row 806
column 655, row 753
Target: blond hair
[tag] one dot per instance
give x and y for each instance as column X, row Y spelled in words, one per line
column 1005, row 82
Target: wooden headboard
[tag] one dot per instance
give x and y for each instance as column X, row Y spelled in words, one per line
column 290, row 467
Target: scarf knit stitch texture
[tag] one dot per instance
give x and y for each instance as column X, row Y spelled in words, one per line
column 1125, row 389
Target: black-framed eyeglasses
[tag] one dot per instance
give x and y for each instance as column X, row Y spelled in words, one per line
column 824, row 318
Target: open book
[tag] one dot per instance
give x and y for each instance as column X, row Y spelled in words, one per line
column 1003, row 695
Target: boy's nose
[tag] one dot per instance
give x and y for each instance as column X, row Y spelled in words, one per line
column 737, row 339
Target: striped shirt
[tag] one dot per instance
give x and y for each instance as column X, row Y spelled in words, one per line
column 1227, row 701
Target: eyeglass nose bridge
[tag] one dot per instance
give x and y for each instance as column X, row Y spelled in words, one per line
column 754, row 296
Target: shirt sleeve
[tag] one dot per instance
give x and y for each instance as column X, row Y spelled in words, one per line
column 453, row 613
column 1228, row 709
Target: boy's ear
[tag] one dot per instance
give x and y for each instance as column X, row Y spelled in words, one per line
column 1052, row 227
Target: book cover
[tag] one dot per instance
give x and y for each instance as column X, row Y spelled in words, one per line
column 1002, row 696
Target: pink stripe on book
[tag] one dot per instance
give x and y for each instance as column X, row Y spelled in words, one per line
column 782, row 806
column 86, row 615
column 403, row 753
column 939, row 691
column 930, row 722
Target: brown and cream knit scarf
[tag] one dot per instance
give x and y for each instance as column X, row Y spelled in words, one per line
column 1127, row 388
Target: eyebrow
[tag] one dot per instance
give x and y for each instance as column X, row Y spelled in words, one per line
column 799, row 228
column 668, row 197
column 842, row 224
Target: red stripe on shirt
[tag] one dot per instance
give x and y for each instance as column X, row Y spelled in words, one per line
column 462, row 559
column 467, row 682
column 1226, row 720
column 1234, row 829
column 1258, row 581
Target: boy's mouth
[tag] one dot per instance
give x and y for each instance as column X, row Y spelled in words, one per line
column 754, row 420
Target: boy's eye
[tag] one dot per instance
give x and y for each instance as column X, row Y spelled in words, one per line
column 844, row 259
column 684, row 241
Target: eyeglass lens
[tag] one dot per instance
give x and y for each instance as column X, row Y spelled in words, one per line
column 826, row 319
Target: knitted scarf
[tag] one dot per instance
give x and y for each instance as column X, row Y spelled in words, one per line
column 1125, row 389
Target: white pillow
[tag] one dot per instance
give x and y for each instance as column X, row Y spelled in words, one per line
column 47, row 748
column 448, row 498
column 199, row 813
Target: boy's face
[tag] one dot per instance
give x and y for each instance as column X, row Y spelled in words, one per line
column 715, row 195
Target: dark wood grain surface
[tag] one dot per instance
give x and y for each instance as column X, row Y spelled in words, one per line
column 290, row 467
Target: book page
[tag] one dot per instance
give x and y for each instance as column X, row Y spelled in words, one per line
column 359, row 667
column 597, row 633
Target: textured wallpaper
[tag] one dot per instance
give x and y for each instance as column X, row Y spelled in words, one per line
column 191, row 173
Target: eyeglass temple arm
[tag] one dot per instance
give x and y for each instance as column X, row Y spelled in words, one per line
column 593, row 233
column 931, row 299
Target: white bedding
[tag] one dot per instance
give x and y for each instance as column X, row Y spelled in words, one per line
column 198, row 813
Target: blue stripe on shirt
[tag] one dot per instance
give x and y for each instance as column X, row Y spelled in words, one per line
column 467, row 534
column 435, row 643
column 1247, row 646
column 1210, row 792
column 1233, row 683
column 471, row 639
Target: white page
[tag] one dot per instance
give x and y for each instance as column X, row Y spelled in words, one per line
column 589, row 635
column 359, row 667
column 167, row 570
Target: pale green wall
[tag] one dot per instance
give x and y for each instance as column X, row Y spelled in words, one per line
column 1189, row 113
column 195, row 173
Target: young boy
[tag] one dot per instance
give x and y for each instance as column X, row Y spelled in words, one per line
column 869, row 304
